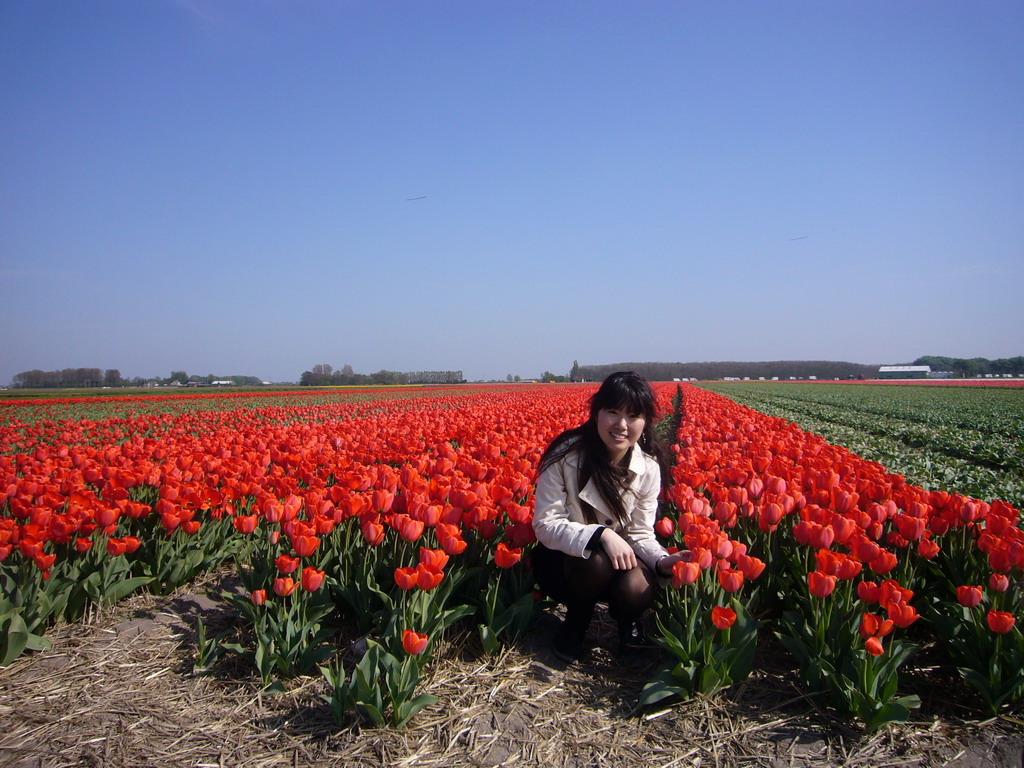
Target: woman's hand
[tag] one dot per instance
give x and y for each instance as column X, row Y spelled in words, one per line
column 665, row 564
column 618, row 550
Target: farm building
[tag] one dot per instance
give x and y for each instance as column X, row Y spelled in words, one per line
column 904, row 371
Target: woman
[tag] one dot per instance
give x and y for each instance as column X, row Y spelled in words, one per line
column 596, row 503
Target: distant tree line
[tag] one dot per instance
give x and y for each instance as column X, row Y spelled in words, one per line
column 67, row 377
column 784, row 369
column 974, row 366
column 82, row 378
column 324, row 375
column 549, row 376
column 182, row 378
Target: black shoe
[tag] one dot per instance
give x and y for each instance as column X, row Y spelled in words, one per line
column 631, row 636
column 568, row 645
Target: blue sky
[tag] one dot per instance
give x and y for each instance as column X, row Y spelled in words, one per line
column 229, row 187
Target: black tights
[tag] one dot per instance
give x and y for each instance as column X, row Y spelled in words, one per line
column 580, row 583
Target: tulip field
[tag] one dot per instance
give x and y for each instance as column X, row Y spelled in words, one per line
column 401, row 515
column 943, row 434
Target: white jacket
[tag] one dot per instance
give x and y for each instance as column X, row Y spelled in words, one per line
column 558, row 518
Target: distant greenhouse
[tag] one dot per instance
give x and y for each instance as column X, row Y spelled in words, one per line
column 904, row 372
column 434, row 377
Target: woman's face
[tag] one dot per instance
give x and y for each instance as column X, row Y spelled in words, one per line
column 619, row 430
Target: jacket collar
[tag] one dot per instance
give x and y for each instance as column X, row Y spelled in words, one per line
column 590, row 494
column 637, row 463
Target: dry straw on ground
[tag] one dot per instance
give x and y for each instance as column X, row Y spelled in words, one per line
column 120, row 691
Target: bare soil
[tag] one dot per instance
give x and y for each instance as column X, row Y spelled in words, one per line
column 120, row 690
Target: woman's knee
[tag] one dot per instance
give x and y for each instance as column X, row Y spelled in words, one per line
column 596, row 568
column 633, row 592
column 589, row 577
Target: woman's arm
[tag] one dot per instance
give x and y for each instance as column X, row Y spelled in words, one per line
column 640, row 530
column 553, row 514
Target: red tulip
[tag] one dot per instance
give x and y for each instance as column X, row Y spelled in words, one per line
column 116, row 547
column 105, row 516
column 520, row 535
column 884, row 562
column 910, row 528
column 427, row 578
column 665, row 527
column 684, row 573
column 305, row 545
column 414, row 642
column 434, row 558
column 927, row 549
column 725, row 511
column 245, row 523
column 373, row 533
column 752, row 567
column 701, row 556
column 828, row 561
column 258, row 597
column 410, row 529
column 311, row 578
column 286, row 564
column 505, row 557
column 868, row 591
column 382, row 500
column 1000, row 622
column 722, row 617
column 722, row 547
column 968, row 597
column 891, row 591
column 43, row 562
column 771, row 514
column 822, row 537
column 902, row 614
column 998, row 582
column 843, row 527
column 405, row 578
column 453, row 545
column 874, row 646
column 872, row 625
column 864, row 549
column 284, row 586
column 820, row 584
column 730, row 579
column 849, row 568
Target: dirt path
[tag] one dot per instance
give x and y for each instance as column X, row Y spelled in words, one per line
column 120, row 692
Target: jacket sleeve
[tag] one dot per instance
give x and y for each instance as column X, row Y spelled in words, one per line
column 552, row 514
column 640, row 531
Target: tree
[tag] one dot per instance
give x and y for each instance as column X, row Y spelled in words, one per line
column 112, row 378
column 966, row 368
column 574, row 374
column 179, row 376
column 509, row 378
column 322, row 369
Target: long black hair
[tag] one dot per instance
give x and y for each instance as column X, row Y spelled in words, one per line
column 627, row 391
